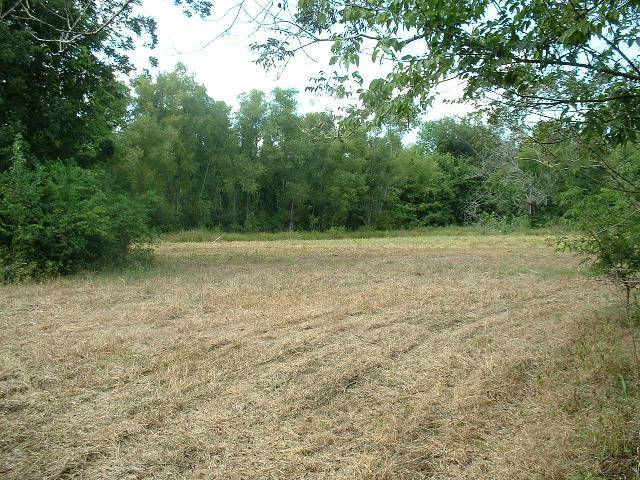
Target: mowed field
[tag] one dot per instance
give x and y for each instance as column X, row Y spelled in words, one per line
column 405, row 358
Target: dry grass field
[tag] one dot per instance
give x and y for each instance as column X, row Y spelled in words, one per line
column 479, row 357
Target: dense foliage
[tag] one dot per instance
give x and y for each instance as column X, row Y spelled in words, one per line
column 266, row 167
column 57, row 218
column 59, row 91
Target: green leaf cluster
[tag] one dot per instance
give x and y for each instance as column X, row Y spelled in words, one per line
column 57, row 218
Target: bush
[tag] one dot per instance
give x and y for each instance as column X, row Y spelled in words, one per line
column 610, row 222
column 57, row 218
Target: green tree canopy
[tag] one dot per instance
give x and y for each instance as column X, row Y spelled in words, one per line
column 178, row 144
column 575, row 60
column 59, row 63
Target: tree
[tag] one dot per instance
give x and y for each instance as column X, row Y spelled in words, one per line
column 343, row 181
column 461, row 147
column 611, row 220
column 179, row 145
column 249, row 128
column 578, row 59
column 65, row 105
column 422, row 198
column 283, row 154
column 59, row 63
column 379, row 200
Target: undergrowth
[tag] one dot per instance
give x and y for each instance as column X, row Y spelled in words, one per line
column 215, row 235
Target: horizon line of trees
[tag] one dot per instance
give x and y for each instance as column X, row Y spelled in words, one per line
column 267, row 167
column 165, row 156
column 89, row 169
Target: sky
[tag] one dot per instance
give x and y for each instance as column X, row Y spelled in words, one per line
column 226, row 65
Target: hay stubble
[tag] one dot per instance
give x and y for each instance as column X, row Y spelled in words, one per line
column 387, row 358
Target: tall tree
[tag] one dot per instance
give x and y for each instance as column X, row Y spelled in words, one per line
column 283, row 154
column 179, row 145
column 59, row 63
column 379, row 199
column 249, row 127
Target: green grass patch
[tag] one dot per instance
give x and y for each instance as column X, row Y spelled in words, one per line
column 214, row 235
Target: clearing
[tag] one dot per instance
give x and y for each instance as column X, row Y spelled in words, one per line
column 425, row 357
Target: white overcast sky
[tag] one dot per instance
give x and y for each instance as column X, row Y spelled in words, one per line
column 226, row 66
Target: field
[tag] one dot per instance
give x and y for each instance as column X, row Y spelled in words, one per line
column 487, row 357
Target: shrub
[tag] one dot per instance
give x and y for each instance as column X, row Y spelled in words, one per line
column 610, row 222
column 59, row 218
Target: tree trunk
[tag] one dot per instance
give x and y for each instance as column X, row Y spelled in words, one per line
column 246, row 214
column 627, row 302
column 176, row 200
column 204, row 178
column 291, row 216
column 632, row 327
column 234, row 214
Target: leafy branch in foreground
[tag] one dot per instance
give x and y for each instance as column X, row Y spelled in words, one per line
column 575, row 60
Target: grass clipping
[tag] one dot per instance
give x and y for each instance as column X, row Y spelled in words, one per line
column 439, row 357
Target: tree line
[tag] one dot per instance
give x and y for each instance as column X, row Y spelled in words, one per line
column 265, row 167
column 90, row 166
column 170, row 157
